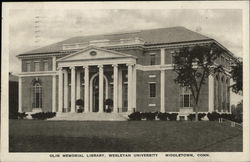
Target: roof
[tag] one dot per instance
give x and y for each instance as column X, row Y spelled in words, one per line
column 151, row 37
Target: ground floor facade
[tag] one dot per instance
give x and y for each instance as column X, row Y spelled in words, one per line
column 127, row 85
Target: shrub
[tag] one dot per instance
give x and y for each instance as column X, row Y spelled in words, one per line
column 172, row 116
column 79, row 102
column 135, row 116
column 21, row 115
column 191, row 117
column 213, row 116
column 109, row 103
column 149, row 115
column 79, row 110
column 200, row 116
column 43, row 115
column 162, row 116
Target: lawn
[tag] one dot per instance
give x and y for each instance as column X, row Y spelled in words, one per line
column 131, row 136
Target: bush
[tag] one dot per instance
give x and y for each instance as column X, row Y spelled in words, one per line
column 135, row 116
column 109, row 103
column 172, row 116
column 231, row 117
column 149, row 115
column 80, row 102
column 79, row 110
column 191, row 117
column 21, row 115
column 162, row 116
column 214, row 116
column 43, row 115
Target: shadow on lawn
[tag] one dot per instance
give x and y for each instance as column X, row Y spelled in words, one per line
column 67, row 144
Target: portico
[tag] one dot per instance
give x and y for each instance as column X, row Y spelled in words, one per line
column 94, row 75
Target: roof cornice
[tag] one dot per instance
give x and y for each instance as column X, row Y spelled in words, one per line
column 141, row 47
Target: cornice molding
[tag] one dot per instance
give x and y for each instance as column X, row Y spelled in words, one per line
column 37, row 73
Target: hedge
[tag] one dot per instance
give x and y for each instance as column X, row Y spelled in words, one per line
column 43, row 115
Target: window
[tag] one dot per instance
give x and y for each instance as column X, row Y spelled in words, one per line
column 46, row 66
column 37, row 95
column 37, row 66
column 125, row 103
column 185, row 97
column 152, row 59
column 28, row 66
column 152, row 89
column 172, row 56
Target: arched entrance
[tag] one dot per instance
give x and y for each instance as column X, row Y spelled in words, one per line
column 94, row 92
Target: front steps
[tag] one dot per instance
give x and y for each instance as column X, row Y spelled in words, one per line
column 91, row 116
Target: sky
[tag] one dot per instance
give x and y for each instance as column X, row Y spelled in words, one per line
column 30, row 28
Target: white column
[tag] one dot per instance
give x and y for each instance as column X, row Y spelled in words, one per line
column 162, row 109
column 60, row 90
column 100, row 88
column 73, row 88
column 134, row 87
column 19, row 94
column 66, row 90
column 210, row 93
column 54, row 93
column 130, row 84
column 115, row 88
column 78, row 86
column 120, row 89
column 162, row 56
column 86, row 88
column 54, row 63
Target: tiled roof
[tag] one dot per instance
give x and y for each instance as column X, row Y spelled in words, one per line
column 151, row 36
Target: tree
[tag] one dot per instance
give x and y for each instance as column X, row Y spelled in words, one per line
column 109, row 103
column 193, row 65
column 80, row 104
column 237, row 76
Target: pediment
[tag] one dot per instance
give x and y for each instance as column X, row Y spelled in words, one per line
column 92, row 53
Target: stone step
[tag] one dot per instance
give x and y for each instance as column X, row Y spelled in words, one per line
column 91, row 116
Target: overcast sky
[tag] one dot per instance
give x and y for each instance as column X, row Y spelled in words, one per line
column 55, row 25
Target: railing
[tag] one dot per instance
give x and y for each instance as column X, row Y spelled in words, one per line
column 231, row 123
column 104, row 43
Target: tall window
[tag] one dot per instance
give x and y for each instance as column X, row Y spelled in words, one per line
column 125, row 104
column 46, row 66
column 28, row 66
column 152, row 89
column 37, row 95
column 152, row 59
column 37, row 66
column 185, row 97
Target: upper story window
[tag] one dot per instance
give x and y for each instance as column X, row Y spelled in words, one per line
column 152, row 89
column 28, row 66
column 152, row 59
column 185, row 97
column 46, row 65
column 37, row 66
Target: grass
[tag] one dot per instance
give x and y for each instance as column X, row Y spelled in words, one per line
column 132, row 136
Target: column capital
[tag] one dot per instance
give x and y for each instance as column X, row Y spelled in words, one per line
column 85, row 66
column 100, row 66
column 59, row 68
column 130, row 64
column 72, row 67
column 114, row 65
